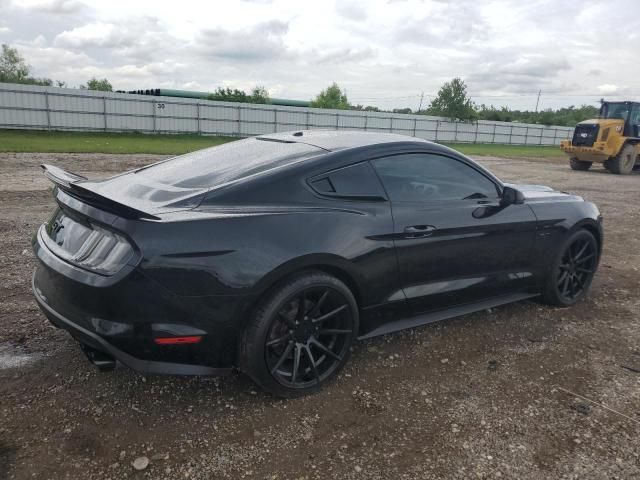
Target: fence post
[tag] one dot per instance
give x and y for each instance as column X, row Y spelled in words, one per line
column 526, row 136
column 475, row 135
column 198, row 115
column 308, row 120
column 415, row 123
column 455, row 131
column 391, row 125
column 238, row 120
column 510, row 133
column 104, row 111
column 366, row 121
column 154, row 106
column 46, row 105
column 275, row 121
column 337, row 120
column 493, row 135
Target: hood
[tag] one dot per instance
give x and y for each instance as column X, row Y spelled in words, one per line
column 542, row 193
column 603, row 122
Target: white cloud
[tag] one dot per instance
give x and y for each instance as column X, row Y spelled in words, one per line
column 352, row 9
column 385, row 53
column 98, row 34
column 51, row 6
column 608, row 88
column 263, row 41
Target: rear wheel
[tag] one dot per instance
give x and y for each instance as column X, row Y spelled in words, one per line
column 623, row 162
column 579, row 164
column 572, row 271
column 301, row 334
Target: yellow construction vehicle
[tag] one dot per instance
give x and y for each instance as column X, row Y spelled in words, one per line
column 612, row 139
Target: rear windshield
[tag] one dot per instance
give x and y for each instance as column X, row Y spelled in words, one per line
column 225, row 163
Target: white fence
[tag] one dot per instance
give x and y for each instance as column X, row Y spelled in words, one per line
column 50, row 108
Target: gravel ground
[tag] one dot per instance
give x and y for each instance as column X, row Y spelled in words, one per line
column 486, row 395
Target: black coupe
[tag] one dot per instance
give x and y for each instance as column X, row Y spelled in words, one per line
column 273, row 254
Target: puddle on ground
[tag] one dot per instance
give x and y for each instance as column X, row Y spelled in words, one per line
column 14, row 357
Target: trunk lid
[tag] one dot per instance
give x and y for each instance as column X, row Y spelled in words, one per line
column 126, row 195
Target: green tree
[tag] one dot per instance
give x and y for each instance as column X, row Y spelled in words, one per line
column 453, row 102
column 567, row 116
column 331, row 97
column 368, row 108
column 259, row 94
column 229, row 95
column 14, row 68
column 95, row 84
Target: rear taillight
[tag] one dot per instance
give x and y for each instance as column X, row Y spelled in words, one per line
column 86, row 244
column 104, row 252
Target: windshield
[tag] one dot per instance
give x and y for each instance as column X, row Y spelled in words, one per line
column 225, row 163
column 615, row 110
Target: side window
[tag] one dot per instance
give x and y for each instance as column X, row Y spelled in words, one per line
column 357, row 181
column 424, row 177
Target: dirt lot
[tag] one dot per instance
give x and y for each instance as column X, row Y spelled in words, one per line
column 482, row 396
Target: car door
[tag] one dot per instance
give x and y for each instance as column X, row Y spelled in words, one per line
column 455, row 242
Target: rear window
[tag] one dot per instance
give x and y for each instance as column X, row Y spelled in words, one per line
column 225, row 163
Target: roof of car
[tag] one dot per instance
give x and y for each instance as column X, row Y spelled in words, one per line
column 332, row 140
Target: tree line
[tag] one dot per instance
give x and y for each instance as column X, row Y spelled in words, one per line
column 452, row 100
column 14, row 69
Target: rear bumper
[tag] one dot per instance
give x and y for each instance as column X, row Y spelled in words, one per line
column 95, row 341
column 122, row 316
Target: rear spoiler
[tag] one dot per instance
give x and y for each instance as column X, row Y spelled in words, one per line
column 60, row 177
column 68, row 182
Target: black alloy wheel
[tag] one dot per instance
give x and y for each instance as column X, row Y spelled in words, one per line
column 574, row 270
column 306, row 330
column 309, row 337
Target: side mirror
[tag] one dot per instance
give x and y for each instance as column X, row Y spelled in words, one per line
column 511, row 196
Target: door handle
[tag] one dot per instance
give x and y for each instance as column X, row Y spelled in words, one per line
column 418, row 231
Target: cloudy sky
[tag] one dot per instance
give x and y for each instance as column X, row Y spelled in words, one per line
column 384, row 52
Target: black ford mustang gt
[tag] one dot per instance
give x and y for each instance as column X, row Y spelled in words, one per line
column 273, row 254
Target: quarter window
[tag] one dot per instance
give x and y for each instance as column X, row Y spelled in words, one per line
column 424, row 177
column 357, row 181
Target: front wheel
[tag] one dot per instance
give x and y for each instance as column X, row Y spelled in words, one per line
column 573, row 269
column 300, row 335
column 576, row 164
column 623, row 162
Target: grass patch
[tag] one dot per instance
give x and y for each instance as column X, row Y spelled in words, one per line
column 96, row 142
column 509, row 151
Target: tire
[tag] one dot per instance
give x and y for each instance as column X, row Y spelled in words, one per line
column 290, row 351
column 571, row 273
column 576, row 164
column 623, row 163
column 607, row 164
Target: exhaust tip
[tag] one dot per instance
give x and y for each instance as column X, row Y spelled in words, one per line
column 103, row 361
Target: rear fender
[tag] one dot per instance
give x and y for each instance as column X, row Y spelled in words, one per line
column 331, row 264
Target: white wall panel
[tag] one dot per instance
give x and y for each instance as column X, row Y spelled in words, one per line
column 139, row 124
column 66, row 120
column 24, row 106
